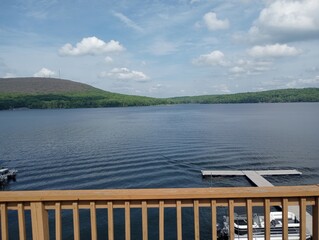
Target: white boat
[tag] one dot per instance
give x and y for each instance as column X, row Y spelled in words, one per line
column 240, row 227
column 7, row 174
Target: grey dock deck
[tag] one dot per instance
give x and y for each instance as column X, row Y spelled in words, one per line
column 242, row 172
column 256, row 178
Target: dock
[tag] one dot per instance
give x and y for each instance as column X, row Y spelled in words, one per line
column 255, row 177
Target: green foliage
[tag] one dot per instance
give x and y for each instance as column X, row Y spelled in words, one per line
column 93, row 99
column 273, row 96
column 98, row 98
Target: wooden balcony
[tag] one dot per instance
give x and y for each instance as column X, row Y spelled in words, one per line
column 38, row 204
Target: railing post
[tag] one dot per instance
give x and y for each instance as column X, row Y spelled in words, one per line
column 40, row 222
column 231, row 219
column 144, row 220
column 214, row 219
column 21, row 220
column 302, row 215
column 4, row 221
column 267, row 218
column 196, row 220
column 161, row 220
column 315, row 219
column 127, row 221
column 179, row 219
column 58, row 223
column 76, row 221
column 249, row 212
column 285, row 219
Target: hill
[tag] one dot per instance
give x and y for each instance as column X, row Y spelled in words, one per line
column 41, row 85
column 271, row 96
column 42, row 93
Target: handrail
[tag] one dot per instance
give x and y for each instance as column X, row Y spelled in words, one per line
column 160, row 193
column 40, row 202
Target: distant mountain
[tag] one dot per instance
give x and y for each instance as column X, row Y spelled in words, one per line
column 271, row 96
column 34, row 85
column 42, row 93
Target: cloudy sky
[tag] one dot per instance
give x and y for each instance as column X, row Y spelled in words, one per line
column 164, row 48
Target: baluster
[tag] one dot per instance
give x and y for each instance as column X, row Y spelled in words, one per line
column 161, row 220
column 21, row 220
column 302, row 214
column 214, row 219
column 144, row 220
column 76, row 221
column 315, row 219
column 110, row 220
column 249, row 212
column 58, row 222
column 93, row 220
column 231, row 219
column 179, row 219
column 4, row 222
column 196, row 219
column 267, row 218
column 127, row 221
column 285, row 218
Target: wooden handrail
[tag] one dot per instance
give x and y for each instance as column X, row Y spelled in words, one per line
column 156, row 194
column 39, row 202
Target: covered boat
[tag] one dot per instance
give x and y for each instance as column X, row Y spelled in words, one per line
column 240, row 225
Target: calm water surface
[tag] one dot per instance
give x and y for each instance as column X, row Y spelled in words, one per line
column 158, row 147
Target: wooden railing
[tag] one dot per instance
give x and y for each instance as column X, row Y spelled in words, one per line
column 39, row 203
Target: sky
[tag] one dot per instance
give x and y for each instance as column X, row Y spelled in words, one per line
column 163, row 48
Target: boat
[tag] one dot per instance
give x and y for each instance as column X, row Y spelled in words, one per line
column 240, row 227
column 7, row 174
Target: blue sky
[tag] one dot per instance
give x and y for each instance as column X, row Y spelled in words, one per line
column 164, row 48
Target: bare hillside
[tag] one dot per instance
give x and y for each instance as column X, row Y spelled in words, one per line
column 41, row 85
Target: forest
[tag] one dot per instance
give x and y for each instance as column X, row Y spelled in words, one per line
column 98, row 99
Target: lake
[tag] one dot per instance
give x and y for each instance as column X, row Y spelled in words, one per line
column 158, row 146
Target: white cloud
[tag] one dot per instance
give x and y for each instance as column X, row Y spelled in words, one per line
column 125, row 74
column 237, row 70
column 249, row 67
column 287, row 20
column 275, row 50
column 302, row 83
column 90, row 46
column 108, row 59
column 211, row 59
column 44, row 72
column 213, row 23
column 128, row 21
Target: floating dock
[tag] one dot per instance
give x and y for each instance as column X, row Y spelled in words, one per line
column 256, row 178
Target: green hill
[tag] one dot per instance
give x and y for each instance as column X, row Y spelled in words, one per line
column 272, row 96
column 43, row 93
column 40, row 93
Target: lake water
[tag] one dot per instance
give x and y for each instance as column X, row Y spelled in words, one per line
column 159, row 146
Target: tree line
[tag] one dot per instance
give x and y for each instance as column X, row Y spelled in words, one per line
column 107, row 99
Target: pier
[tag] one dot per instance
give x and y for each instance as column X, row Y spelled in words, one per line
column 256, row 178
